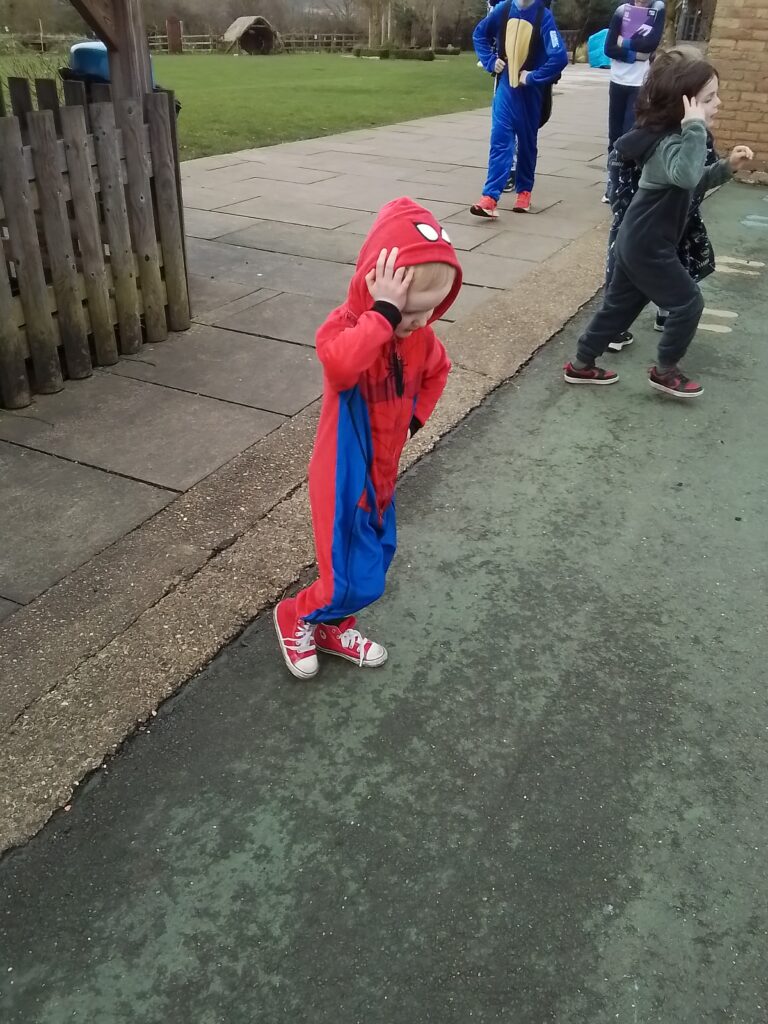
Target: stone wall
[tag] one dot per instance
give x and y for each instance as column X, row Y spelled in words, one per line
column 739, row 50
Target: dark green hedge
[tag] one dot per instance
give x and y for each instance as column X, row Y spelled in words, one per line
column 413, row 54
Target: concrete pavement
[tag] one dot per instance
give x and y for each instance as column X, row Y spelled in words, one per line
column 214, row 428
column 548, row 806
column 272, row 235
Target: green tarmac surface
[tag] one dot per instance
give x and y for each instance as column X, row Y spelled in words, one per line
column 550, row 804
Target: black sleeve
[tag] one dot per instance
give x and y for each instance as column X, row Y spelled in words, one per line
column 389, row 311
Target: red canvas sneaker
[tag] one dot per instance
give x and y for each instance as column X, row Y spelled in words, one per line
column 297, row 640
column 347, row 642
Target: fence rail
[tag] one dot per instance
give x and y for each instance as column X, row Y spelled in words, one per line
column 190, row 44
column 326, row 42
column 91, row 237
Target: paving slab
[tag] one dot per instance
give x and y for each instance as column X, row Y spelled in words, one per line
column 209, row 224
column 287, row 317
column 208, row 292
column 313, row 215
column 62, row 515
column 252, row 371
column 492, row 271
column 7, row 608
column 213, row 316
column 164, row 437
column 280, row 272
column 528, row 246
column 297, row 240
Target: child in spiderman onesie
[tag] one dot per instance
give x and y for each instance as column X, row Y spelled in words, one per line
column 384, row 370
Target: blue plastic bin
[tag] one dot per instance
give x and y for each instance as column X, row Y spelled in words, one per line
column 91, row 61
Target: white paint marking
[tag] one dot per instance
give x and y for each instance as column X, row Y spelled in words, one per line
column 741, row 263
column 726, row 314
column 738, row 270
column 716, row 328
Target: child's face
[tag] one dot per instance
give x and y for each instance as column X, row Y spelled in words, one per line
column 419, row 307
column 709, row 100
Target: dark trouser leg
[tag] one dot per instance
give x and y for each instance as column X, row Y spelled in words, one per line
column 618, row 98
column 672, row 288
column 622, row 304
column 629, row 108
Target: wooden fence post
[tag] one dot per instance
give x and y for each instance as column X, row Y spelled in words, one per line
column 14, row 386
column 130, row 116
column 121, row 255
column 20, row 215
column 89, row 234
column 164, row 173
column 66, row 283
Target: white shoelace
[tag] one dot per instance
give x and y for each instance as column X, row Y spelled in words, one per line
column 304, row 638
column 349, row 638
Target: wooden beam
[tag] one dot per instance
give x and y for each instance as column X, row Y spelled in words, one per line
column 99, row 14
column 130, row 68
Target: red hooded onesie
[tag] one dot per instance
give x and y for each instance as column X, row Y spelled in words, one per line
column 375, row 384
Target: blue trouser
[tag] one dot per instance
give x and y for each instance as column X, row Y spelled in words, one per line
column 515, row 118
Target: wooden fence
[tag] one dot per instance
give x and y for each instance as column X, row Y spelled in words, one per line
column 324, row 42
column 91, row 234
column 189, row 44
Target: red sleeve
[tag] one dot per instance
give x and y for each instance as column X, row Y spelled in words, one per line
column 347, row 351
column 433, row 380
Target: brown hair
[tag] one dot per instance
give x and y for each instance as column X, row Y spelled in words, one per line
column 674, row 73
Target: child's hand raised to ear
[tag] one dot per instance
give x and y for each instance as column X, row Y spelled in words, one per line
column 740, row 155
column 387, row 284
column 692, row 110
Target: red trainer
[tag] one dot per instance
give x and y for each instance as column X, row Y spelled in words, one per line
column 297, row 640
column 347, row 642
column 522, row 203
column 674, row 383
column 485, row 208
column 589, row 375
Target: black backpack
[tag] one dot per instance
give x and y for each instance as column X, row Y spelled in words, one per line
column 501, row 49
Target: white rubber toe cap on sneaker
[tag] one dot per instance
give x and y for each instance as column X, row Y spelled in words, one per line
column 375, row 656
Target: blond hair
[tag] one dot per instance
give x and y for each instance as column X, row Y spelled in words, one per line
column 429, row 277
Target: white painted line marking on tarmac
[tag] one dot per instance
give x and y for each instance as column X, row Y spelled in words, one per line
column 716, row 328
column 726, row 314
column 736, row 261
column 738, row 270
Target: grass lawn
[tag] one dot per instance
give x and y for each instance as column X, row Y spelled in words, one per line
column 233, row 103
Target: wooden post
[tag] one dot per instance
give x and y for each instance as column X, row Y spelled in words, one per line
column 20, row 215
column 129, row 65
column 21, row 99
column 167, row 201
column 48, row 98
column 14, row 386
column 89, row 234
column 175, row 32
column 66, row 283
column 433, row 39
column 121, row 257
column 130, row 118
